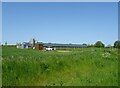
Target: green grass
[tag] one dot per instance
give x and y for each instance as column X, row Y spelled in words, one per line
column 80, row 67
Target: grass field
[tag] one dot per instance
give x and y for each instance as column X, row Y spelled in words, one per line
column 80, row 67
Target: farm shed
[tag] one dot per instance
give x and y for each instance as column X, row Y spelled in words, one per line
column 55, row 45
column 39, row 46
column 24, row 45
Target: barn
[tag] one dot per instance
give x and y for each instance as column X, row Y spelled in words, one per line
column 40, row 46
column 56, row 45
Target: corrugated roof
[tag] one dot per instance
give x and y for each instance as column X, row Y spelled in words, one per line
column 57, row 45
column 62, row 45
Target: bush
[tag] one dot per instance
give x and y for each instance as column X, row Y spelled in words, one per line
column 99, row 44
column 117, row 44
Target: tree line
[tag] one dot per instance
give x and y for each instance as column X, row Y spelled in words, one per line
column 100, row 44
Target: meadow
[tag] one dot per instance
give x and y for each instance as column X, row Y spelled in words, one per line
column 79, row 67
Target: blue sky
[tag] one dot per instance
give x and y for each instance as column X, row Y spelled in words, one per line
column 62, row 22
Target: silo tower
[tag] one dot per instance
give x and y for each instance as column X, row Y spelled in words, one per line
column 32, row 42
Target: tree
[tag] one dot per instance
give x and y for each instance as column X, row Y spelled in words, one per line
column 84, row 44
column 6, row 43
column 99, row 44
column 117, row 44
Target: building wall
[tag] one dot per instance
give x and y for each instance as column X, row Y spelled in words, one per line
column 38, row 46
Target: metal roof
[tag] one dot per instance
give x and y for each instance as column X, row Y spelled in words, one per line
column 63, row 45
column 26, row 43
column 57, row 45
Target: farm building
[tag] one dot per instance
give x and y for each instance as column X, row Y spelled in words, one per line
column 55, row 45
column 24, row 45
column 29, row 44
column 40, row 46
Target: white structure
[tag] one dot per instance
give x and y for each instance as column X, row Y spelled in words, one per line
column 49, row 49
column 23, row 45
column 19, row 45
column 32, row 41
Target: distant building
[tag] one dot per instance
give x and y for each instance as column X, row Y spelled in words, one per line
column 38, row 46
column 55, row 45
column 27, row 45
column 19, row 45
column 48, row 46
column 24, row 45
column 32, row 42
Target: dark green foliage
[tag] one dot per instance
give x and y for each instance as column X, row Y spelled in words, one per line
column 44, row 67
column 84, row 44
column 99, row 44
column 117, row 44
column 5, row 43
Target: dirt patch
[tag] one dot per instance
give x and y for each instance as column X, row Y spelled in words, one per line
column 63, row 51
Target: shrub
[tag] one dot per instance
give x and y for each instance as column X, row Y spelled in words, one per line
column 117, row 44
column 99, row 44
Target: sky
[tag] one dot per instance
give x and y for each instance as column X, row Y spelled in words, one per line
column 60, row 0
column 60, row 22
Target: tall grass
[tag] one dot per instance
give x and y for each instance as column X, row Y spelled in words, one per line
column 81, row 67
